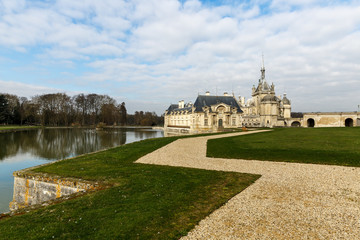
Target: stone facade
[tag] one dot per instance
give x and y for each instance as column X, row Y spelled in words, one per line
column 327, row 119
column 264, row 109
column 207, row 114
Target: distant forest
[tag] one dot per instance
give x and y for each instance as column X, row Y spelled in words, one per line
column 59, row 109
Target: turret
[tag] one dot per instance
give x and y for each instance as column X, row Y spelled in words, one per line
column 287, row 106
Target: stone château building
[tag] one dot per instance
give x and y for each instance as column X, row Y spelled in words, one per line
column 264, row 109
column 208, row 113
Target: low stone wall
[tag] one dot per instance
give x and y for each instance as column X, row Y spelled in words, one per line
column 324, row 119
column 333, row 119
column 33, row 188
column 172, row 129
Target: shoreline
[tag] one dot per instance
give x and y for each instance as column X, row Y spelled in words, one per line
column 25, row 128
column 138, row 193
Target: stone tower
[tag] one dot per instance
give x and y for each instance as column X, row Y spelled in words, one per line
column 286, row 107
column 265, row 100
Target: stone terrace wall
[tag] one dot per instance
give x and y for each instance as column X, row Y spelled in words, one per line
column 336, row 119
column 32, row 189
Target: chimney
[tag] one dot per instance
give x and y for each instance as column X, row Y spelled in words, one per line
column 181, row 104
column 207, row 93
column 226, row 94
column 243, row 101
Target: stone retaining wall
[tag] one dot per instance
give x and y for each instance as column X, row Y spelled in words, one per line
column 33, row 188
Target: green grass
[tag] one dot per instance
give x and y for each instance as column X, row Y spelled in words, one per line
column 146, row 202
column 16, row 127
column 334, row 146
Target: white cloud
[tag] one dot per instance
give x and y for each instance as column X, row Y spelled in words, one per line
column 26, row 90
column 192, row 6
column 10, row 6
column 164, row 51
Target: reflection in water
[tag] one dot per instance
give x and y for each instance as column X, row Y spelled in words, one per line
column 24, row 149
column 58, row 143
column 62, row 143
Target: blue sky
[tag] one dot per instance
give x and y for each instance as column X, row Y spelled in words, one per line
column 150, row 53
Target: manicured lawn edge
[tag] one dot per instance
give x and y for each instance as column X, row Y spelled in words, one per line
column 329, row 146
column 146, row 202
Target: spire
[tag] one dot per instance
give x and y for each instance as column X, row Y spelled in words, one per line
column 263, row 69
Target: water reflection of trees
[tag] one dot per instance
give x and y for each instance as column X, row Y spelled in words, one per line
column 58, row 143
column 141, row 134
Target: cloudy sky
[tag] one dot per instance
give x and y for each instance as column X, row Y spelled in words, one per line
column 150, row 53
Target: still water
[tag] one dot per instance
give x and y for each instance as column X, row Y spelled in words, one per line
column 19, row 150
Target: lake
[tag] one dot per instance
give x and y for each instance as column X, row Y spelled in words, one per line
column 23, row 149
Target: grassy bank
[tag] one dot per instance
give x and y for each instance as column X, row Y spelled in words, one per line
column 336, row 146
column 146, row 202
column 16, row 127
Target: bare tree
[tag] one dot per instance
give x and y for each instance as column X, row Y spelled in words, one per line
column 59, row 109
column 123, row 114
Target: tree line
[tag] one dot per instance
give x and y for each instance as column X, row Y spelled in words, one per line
column 59, row 109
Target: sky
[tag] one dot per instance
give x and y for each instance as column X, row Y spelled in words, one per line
column 151, row 53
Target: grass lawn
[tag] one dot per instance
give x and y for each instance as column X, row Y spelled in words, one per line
column 15, row 127
column 146, row 202
column 336, row 146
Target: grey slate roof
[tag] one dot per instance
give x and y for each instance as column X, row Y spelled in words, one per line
column 172, row 107
column 207, row 101
column 297, row 115
column 175, row 108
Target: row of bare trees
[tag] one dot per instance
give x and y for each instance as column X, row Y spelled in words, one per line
column 141, row 118
column 59, row 109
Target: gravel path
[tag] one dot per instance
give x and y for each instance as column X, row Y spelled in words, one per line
column 289, row 201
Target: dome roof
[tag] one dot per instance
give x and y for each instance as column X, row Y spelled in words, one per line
column 286, row 101
column 263, row 86
column 269, row 97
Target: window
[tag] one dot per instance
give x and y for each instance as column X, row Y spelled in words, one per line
column 205, row 121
